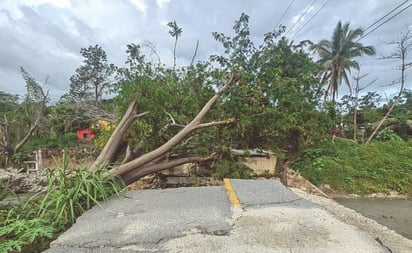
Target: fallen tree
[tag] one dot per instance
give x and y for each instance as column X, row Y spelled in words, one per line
column 156, row 160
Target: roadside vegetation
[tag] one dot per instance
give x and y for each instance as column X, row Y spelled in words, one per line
column 271, row 96
column 33, row 223
column 347, row 167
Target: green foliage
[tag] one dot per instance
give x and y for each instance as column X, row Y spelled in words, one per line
column 175, row 30
column 102, row 137
column 19, row 232
column 172, row 100
column 93, row 78
column 387, row 134
column 66, row 117
column 31, row 225
column 275, row 103
column 19, row 157
column 232, row 169
column 5, row 189
column 72, row 192
column 19, row 119
column 8, row 103
column 61, row 141
column 336, row 56
column 358, row 168
column 35, row 93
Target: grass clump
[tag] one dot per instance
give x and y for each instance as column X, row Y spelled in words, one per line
column 380, row 166
column 35, row 222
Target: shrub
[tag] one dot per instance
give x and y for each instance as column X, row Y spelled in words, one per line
column 388, row 135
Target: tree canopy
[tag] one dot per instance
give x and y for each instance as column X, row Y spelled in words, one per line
column 93, row 78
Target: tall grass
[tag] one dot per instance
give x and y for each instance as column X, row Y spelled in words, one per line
column 381, row 166
column 35, row 222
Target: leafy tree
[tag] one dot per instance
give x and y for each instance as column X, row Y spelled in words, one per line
column 276, row 105
column 93, row 78
column 370, row 101
column 83, row 104
column 337, row 56
column 137, row 64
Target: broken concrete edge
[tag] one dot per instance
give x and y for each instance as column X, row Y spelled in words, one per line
column 385, row 236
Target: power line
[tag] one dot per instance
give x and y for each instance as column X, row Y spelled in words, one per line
column 310, row 19
column 386, row 21
column 301, row 16
column 387, row 14
column 284, row 13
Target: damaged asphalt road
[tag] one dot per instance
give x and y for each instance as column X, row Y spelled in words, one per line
column 203, row 219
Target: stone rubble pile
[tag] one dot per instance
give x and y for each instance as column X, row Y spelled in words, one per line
column 19, row 181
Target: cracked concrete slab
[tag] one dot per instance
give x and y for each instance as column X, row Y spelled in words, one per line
column 264, row 192
column 281, row 229
column 146, row 218
column 273, row 219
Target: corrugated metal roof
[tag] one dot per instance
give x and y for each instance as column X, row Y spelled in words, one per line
column 251, row 152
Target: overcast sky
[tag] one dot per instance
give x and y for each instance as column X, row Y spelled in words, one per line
column 45, row 36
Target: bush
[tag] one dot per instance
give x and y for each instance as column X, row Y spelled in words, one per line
column 388, row 135
column 358, row 168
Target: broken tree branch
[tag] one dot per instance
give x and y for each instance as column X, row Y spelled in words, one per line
column 194, row 54
column 36, row 122
column 160, row 151
column 132, row 176
column 214, row 123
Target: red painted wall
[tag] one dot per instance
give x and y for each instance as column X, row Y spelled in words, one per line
column 85, row 134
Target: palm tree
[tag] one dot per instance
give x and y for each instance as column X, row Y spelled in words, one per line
column 336, row 56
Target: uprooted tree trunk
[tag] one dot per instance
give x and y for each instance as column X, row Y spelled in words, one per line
column 152, row 161
column 109, row 151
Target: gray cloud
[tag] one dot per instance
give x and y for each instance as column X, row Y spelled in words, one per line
column 46, row 39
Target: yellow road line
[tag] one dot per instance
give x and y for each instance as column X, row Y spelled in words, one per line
column 232, row 194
